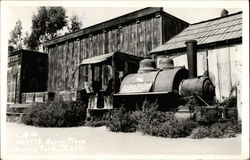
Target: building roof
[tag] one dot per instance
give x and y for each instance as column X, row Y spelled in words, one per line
column 206, row 32
column 24, row 51
column 115, row 22
column 105, row 57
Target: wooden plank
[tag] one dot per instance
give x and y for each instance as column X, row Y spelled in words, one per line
column 75, row 61
column 126, row 39
column 61, row 79
column 95, row 42
column 149, row 32
column 18, row 85
column 90, row 48
column 114, row 22
column 236, row 64
column 156, row 32
column 103, row 43
column 164, row 29
column 213, row 71
column 66, row 52
column 72, row 66
column 114, row 40
column 20, row 105
column 82, row 56
column 141, row 39
column 52, row 69
column 120, row 39
column 201, row 63
column 224, row 72
column 68, row 68
column 55, row 68
column 106, row 42
column 110, row 41
column 169, row 27
column 78, row 61
column 58, row 68
column 49, row 69
column 82, row 50
column 133, row 39
column 97, row 45
column 86, row 48
column 100, row 44
column 50, row 57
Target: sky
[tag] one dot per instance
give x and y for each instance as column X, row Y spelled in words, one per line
column 94, row 15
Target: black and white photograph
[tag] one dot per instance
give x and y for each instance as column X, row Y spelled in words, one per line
column 124, row 80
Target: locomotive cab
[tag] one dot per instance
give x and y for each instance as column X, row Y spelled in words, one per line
column 105, row 73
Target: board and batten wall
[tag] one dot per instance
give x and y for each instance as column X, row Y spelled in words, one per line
column 224, row 65
column 136, row 37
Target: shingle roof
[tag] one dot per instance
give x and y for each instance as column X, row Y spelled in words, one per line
column 215, row 30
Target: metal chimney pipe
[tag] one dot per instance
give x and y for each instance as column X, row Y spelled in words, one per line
column 192, row 58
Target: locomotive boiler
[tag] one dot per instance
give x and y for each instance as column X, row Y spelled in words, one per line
column 165, row 84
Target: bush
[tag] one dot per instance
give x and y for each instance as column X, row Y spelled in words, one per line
column 164, row 124
column 55, row 114
column 230, row 102
column 121, row 121
column 178, row 128
column 218, row 130
column 97, row 121
column 150, row 119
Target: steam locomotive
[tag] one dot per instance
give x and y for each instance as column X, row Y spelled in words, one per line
column 166, row 84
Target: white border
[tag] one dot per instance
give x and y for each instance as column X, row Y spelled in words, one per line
column 177, row 4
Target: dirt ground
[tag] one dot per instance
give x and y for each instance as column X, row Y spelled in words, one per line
column 31, row 141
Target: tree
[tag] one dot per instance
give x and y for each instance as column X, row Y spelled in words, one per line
column 46, row 24
column 16, row 36
column 75, row 24
column 26, row 40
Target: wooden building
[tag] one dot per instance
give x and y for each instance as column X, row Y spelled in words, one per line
column 27, row 72
column 136, row 33
column 218, row 51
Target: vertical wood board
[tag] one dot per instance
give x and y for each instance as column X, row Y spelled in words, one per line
column 213, row 71
column 224, row 72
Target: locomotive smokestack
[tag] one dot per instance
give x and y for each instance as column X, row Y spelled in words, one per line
column 192, row 58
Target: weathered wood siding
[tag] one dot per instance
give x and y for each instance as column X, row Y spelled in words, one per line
column 136, row 37
column 224, row 65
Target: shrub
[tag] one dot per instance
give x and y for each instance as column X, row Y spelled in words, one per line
column 121, row 121
column 200, row 132
column 97, row 121
column 230, row 102
column 55, row 114
column 151, row 119
column 218, row 130
column 164, row 124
